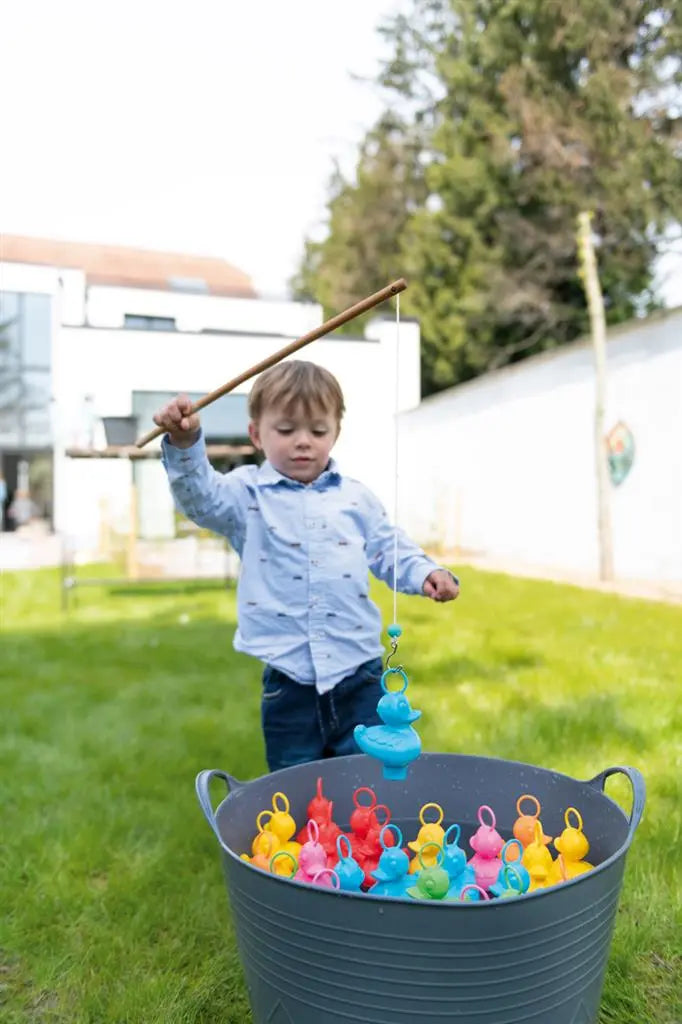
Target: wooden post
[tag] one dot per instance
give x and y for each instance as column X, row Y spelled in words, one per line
column 104, row 530
column 132, row 566
column 595, row 302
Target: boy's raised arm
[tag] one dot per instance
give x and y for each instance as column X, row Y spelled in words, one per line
column 209, row 498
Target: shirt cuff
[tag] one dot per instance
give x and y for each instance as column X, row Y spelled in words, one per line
column 180, row 462
column 420, row 573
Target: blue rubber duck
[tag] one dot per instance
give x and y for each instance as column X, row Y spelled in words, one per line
column 455, row 863
column 514, row 878
column 351, row 875
column 513, row 881
column 391, row 874
column 395, row 743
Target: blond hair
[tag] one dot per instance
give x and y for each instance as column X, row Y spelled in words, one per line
column 295, row 383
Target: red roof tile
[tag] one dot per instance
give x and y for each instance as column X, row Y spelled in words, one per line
column 128, row 267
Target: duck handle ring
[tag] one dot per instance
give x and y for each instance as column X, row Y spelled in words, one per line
column 394, row 671
column 510, row 872
column 313, row 831
column 333, row 877
column 262, row 828
column 285, row 803
column 578, row 815
column 398, row 835
column 339, row 840
column 436, row 807
column 511, row 842
column 365, row 789
column 534, row 799
column 289, row 856
column 481, row 809
column 373, row 814
column 425, row 847
column 472, row 887
column 453, row 828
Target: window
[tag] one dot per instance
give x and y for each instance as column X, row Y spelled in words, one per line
column 138, row 322
column 223, row 422
column 25, row 369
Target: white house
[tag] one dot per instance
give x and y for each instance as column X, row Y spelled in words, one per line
column 504, row 466
column 501, row 467
column 129, row 329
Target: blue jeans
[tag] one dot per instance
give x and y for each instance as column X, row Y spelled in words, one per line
column 300, row 725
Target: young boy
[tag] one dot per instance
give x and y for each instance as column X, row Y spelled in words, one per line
column 307, row 537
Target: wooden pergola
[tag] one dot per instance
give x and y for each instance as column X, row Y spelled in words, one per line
column 130, row 451
column 133, row 454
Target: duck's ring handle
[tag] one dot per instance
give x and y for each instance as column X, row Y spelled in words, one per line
column 394, row 671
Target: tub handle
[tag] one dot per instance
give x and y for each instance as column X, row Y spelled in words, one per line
column 638, row 791
column 204, row 797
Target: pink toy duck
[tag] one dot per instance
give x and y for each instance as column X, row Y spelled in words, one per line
column 312, row 858
column 487, row 844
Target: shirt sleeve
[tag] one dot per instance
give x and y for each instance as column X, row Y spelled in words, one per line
column 413, row 565
column 209, row 498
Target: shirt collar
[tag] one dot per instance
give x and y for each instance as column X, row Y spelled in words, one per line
column 267, row 475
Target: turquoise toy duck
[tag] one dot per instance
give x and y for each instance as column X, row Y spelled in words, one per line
column 517, row 879
column 390, row 873
column 395, row 743
column 455, row 863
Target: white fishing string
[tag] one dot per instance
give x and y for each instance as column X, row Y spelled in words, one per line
column 395, row 456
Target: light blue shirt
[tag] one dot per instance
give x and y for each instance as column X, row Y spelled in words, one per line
column 306, row 553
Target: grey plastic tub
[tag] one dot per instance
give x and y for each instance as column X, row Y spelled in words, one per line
column 315, row 956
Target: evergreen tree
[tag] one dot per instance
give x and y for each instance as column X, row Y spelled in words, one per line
column 515, row 115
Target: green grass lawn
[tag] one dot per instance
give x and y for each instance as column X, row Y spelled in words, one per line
column 112, row 901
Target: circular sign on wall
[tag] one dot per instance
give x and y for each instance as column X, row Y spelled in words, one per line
column 620, row 449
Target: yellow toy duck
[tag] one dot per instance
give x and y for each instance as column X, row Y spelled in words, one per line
column 264, row 846
column 572, row 846
column 537, row 860
column 431, row 832
column 281, row 825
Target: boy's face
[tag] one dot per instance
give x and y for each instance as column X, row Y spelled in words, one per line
column 296, row 444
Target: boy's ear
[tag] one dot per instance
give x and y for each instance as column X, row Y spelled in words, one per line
column 254, row 434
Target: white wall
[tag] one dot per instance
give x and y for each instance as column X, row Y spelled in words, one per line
column 67, row 286
column 504, row 465
column 111, row 364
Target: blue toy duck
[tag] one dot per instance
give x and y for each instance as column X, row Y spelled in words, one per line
column 391, row 874
column 455, row 863
column 351, row 875
column 514, row 878
column 396, row 744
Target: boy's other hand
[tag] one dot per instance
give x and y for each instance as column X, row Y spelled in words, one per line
column 181, row 424
column 440, row 586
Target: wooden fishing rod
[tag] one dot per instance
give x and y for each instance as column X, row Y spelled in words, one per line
column 330, row 325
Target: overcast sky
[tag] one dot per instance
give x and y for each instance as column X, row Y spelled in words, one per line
column 207, row 126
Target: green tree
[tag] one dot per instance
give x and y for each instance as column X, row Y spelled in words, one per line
column 518, row 114
column 349, row 264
